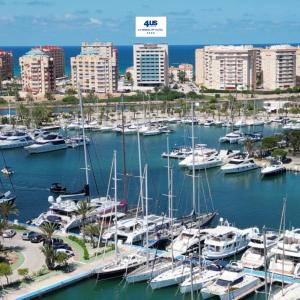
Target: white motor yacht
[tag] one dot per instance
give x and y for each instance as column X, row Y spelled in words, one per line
column 188, row 241
column 64, row 212
column 51, row 142
column 231, row 285
column 199, row 154
column 200, row 279
column 239, row 164
column 75, row 142
column 175, row 275
column 232, row 137
column 254, row 257
column 209, row 123
column 16, row 140
column 287, row 254
column 134, row 230
column 273, row 169
column 240, row 123
column 290, row 292
column 152, row 131
column 225, row 240
column 212, row 161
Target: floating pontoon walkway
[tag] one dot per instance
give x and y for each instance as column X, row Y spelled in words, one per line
column 272, row 277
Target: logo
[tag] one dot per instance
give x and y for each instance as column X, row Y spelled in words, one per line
column 152, row 23
column 151, row 26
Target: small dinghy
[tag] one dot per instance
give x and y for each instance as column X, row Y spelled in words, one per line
column 58, row 188
column 7, row 171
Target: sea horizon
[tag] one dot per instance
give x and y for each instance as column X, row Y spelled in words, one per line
column 177, row 54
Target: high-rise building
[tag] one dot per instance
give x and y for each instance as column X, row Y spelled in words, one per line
column 278, row 64
column 37, row 72
column 96, row 68
column 226, row 67
column 151, row 64
column 6, row 65
column 298, row 66
column 57, row 53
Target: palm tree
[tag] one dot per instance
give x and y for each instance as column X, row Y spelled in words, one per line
column 249, row 146
column 92, row 230
column 82, row 210
column 50, row 255
column 61, row 258
column 48, row 229
column 7, row 209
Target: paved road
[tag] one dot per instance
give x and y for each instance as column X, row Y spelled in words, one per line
column 33, row 257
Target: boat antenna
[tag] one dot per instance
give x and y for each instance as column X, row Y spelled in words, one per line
column 84, row 141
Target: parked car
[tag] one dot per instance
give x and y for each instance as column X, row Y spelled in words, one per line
column 37, row 238
column 53, row 241
column 9, row 233
column 66, row 251
column 61, row 246
column 27, row 235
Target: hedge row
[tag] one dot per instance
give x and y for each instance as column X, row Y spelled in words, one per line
column 81, row 243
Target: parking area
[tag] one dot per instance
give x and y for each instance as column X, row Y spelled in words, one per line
column 33, row 257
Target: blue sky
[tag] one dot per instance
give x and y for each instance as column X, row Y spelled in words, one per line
column 69, row 22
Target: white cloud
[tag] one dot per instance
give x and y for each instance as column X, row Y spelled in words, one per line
column 95, row 21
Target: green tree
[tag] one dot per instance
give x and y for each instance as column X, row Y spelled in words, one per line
column 50, row 256
column 280, row 153
column 270, row 142
column 8, row 209
column 82, row 210
column 24, row 272
column 249, row 146
column 61, row 258
column 23, row 114
column 5, row 270
column 41, row 113
column 128, row 76
column 92, row 231
column 49, row 96
column 48, row 229
column 181, row 76
column 293, row 138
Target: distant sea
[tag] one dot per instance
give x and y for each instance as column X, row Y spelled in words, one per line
column 177, row 54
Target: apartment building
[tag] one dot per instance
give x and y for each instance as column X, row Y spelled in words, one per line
column 278, row 64
column 186, row 69
column 57, row 53
column 6, row 65
column 226, row 67
column 96, row 68
column 298, row 66
column 37, row 72
column 151, row 64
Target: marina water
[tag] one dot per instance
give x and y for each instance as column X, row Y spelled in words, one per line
column 244, row 199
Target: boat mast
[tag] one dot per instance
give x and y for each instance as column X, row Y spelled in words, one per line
column 171, row 214
column 169, row 180
column 146, row 208
column 116, row 201
column 140, row 170
column 193, row 160
column 124, row 154
column 83, row 136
